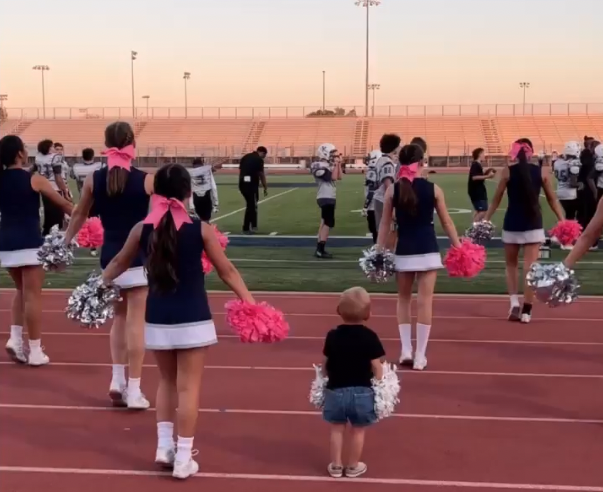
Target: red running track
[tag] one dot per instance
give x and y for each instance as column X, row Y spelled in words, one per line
column 501, row 407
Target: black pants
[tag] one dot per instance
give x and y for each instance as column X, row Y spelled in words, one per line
column 372, row 224
column 587, row 205
column 251, row 195
column 570, row 207
column 203, row 206
column 53, row 215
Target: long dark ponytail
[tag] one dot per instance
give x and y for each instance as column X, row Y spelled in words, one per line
column 407, row 198
column 531, row 202
column 119, row 135
column 171, row 181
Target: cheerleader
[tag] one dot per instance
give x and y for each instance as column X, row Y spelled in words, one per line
column 20, row 239
column 120, row 194
column 205, row 191
column 411, row 202
column 178, row 323
column 522, row 180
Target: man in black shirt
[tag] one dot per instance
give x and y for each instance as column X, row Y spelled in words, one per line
column 251, row 172
column 476, row 187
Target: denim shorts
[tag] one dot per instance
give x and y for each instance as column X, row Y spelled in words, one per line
column 355, row 405
column 480, row 205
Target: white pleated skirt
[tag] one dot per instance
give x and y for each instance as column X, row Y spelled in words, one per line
column 418, row 263
column 132, row 277
column 180, row 337
column 524, row 237
column 19, row 258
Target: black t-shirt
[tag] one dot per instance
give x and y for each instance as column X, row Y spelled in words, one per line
column 349, row 350
column 250, row 167
column 477, row 189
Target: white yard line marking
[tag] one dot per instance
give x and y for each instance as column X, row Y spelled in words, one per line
column 259, row 203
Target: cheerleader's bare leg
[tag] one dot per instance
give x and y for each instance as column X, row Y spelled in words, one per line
column 426, row 284
column 530, row 256
column 512, row 273
column 405, row 283
column 14, row 346
column 119, row 353
column 137, row 299
column 167, row 402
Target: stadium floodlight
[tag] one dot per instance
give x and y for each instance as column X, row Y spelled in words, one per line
column 42, row 69
column 374, row 87
column 133, row 56
column 147, row 99
column 367, row 4
column 3, row 97
column 525, row 86
column 187, row 76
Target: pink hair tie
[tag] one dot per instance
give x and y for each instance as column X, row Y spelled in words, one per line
column 517, row 147
column 409, row 172
column 161, row 205
column 121, row 158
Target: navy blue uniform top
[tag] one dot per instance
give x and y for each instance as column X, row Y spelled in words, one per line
column 188, row 302
column 416, row 233
column 119, row 213
column 19, row 212
column 516, row 219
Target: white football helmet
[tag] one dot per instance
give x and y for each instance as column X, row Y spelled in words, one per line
column 373, row 157
column 327, row 152
column 572, row 149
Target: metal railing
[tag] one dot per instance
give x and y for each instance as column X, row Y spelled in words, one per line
column 485, row 110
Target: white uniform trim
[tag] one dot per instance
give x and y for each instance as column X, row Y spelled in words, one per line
column 180, row 337
column 132, row 277
column 418, row 263
column 524, row 237
column 19, row 258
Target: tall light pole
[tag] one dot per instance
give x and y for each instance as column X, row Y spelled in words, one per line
column 374, row 87
column 324, row 91
column 525, row 86
column 187, row 76
column 367, row 4
column 134, row 55
column 43, row 68
column 147, row 98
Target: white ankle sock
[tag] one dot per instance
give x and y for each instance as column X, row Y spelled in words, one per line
column 35, row 345
column 422, row 338
column 133, row 387
column 165, row 435
column 119, row 374
column 405, row 338
column 184, row 449
column 16, row 332
column 514, row 300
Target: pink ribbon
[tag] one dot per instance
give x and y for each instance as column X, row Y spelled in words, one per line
column 516, row 148
column 409, row 172
column 161, row 205
column 120, row 157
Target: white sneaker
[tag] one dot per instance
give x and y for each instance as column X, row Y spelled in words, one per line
column 526, row 318
column 117, row 394
column 165, row 457
column 38, row 358
column 14, row 348
column 185, row 470
column 137, row 402
column 420, row 363
column 405, row 359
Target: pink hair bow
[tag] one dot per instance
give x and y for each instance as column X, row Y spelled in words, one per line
column 409, row 172
column 161, row 205
column 120, row 157
column 516, row 148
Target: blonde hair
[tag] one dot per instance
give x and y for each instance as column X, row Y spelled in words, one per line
column 354, row 305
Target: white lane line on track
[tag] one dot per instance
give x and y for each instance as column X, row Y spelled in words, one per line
column 307, row 369
column 259, row 203
column 304, row 479
column 306, row 413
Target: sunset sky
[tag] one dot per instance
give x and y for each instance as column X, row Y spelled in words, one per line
column 273, row 52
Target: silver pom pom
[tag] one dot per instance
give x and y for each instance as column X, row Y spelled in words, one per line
column 317, row 389
column 387, row 391
column 54, row 254
column 553, row 284
column 378, row 264
column 480, row 232
column 92, row 302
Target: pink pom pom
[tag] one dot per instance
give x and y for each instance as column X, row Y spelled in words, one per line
column 566, row 232
column 221, row 237
column 207, row 266
column 466, row 261
column 256, row 322
column 91, row 234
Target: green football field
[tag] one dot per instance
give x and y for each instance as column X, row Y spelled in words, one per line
column 268, row 263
